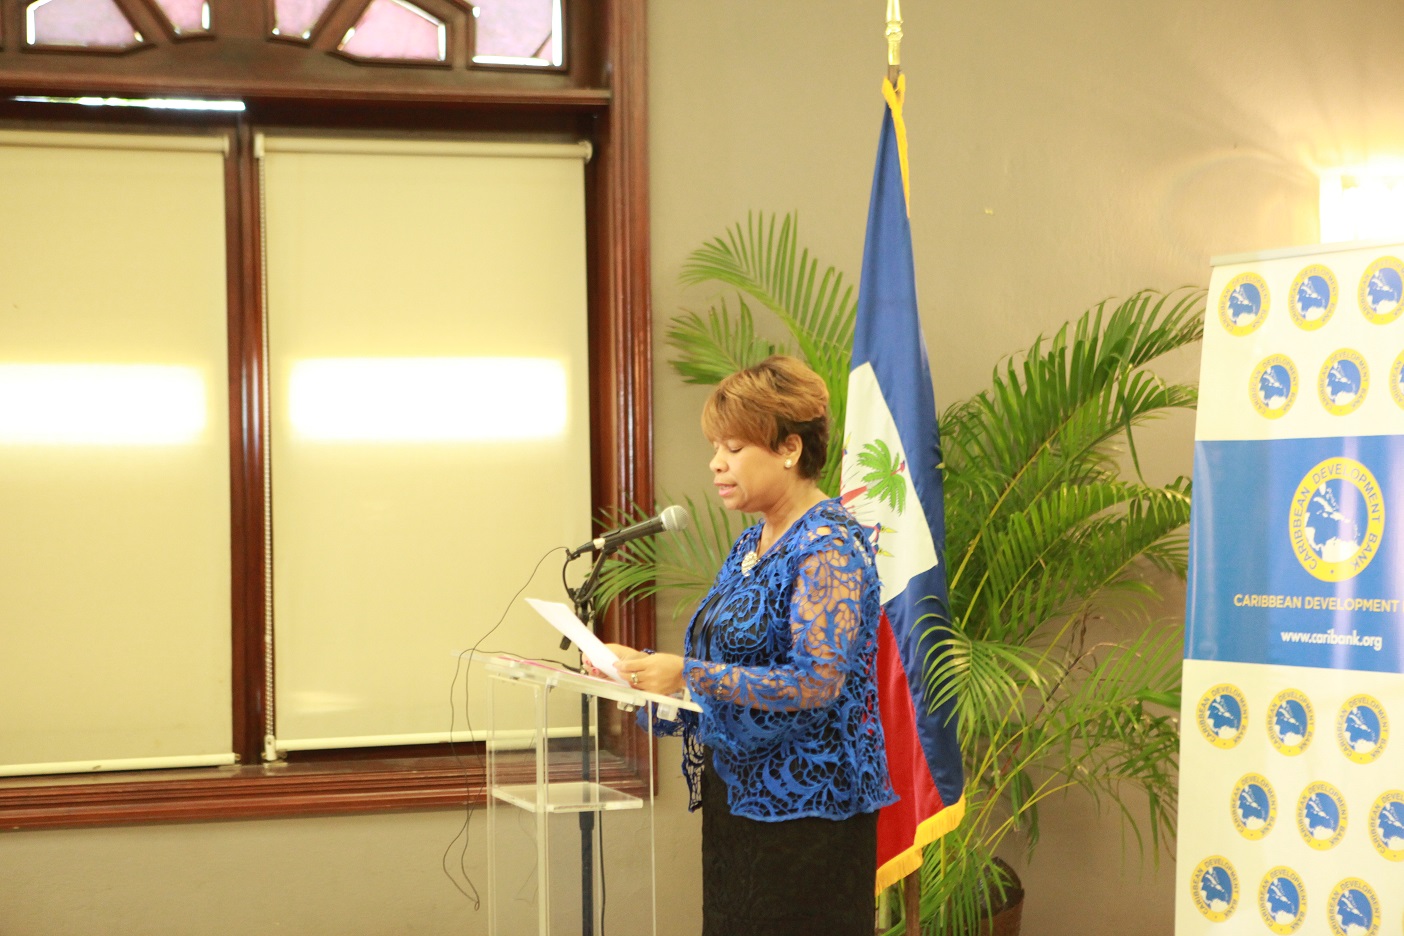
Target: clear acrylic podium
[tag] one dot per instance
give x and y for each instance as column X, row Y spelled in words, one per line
column 570, row 833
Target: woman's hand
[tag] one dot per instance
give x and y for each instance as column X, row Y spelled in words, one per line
column 619, row 650
column 661, row 673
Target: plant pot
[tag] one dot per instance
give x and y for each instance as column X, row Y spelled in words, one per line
column 1007, row 921
column 1008, row 911
column 1008, row 899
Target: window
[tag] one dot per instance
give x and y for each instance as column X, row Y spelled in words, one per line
column 327, row 96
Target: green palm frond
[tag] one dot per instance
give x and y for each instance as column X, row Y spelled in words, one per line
column 986, row 679
column 1076, row 544
column 756, row 259
column 709, row 349
column 1068, row 400
column 1116, row 727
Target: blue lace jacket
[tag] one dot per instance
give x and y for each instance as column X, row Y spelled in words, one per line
column 782, row 659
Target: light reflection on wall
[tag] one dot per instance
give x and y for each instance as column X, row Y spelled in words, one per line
column 427, row 399
column 1362, row 203
column 101, row 404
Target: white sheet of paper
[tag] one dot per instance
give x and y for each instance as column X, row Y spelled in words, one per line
column 563, row 619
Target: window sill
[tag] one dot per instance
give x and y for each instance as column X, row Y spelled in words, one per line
column 272, row 791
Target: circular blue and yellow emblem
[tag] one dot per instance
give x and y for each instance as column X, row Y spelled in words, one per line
column 1273, row 386
column 1354, row 909
column 1382, row 290
column 1290, row 722
column 1396, row 381
column 1387, row 825
column 1214, row 887
column 1343, row 382
column 1282, row 900
column 1336, row 520
column 1253, row 806
column 1362, row 728
column 1313, row 299
column 1321, row 816
column 1243, row 305
column 1222, row 714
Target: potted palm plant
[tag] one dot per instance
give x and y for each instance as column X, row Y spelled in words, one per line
column 1050, row 524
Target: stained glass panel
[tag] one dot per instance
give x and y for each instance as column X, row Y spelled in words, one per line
column 295, row 18
column 96, row 24
column 518, row 32
column 395, row 29
column 187, row 16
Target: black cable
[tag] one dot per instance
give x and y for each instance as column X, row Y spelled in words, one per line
column 472, row 892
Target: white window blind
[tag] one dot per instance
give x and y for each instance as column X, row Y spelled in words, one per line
column 114, row 453
column 429, row 419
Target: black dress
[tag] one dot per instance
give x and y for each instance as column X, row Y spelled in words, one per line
column 781, row 655
column 795, row 877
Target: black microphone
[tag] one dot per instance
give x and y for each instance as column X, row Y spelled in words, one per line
column 670, row 520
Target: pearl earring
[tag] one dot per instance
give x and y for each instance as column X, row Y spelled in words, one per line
column 788, row 463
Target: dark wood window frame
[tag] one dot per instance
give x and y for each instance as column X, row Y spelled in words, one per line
column 598, row 96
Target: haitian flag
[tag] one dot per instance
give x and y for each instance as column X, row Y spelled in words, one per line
column 892, row 485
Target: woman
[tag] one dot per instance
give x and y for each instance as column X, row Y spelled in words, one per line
column 786, row 759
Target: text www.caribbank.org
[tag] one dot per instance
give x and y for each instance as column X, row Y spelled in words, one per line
column 1353, row 639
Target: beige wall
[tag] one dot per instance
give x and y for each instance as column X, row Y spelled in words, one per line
column 1062, row 152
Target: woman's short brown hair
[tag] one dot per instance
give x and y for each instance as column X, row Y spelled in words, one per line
column 766, row 404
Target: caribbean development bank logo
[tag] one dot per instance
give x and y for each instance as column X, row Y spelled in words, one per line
column 1381, row 290
column 1354, row 909
column 1282, row 900
column 1336, row 519
column 1362, row 728
column 1343, row 382
column 1313, row 297
column 1222, row 714
column 1214, row 887
column 1396, row 380
column 1254, row 806
column 1273, row 386
column 1321, row 816
column 1290, row 722
column 1243, row 305
column 1387, row 825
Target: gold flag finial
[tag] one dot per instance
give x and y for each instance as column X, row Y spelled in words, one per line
column 894, row 40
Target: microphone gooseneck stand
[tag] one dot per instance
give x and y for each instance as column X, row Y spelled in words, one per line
column 584, row 600
column 670, row 519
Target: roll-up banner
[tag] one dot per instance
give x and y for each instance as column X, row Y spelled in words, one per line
column 1291, row 786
